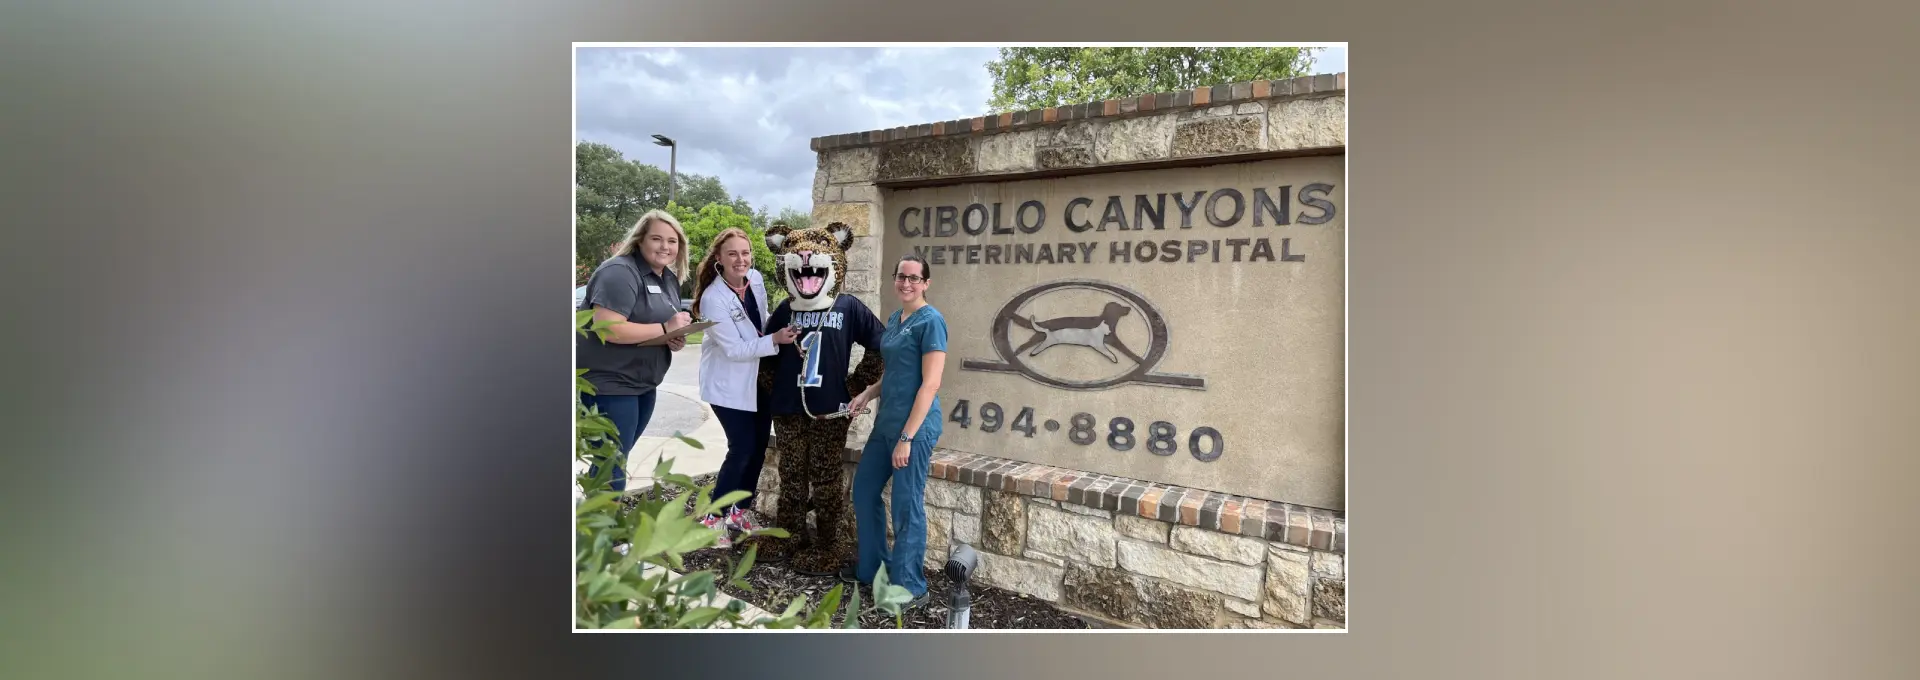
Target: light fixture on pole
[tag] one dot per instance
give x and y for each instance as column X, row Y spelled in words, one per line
column 961, row 566
column 673, row 175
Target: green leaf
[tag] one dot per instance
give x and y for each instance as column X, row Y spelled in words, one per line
column 823, row 615
column 696, row 539
column 702, row 504
column 746, row 563
column 696, row 584
column 661, row 468
column 689, row 441
column 675, row 512
column 623, row 622
column 730, row 498
column 642, row 540
column 699, row 618
column 597, row 585
column 597, row 502
column 887, row 596
column 618, row 592
column 853, row 610
column 794, row 608
column 893, row 598
column 643, row 590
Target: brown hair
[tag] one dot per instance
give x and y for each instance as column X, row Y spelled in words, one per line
column 926, row 270
column 705, row 274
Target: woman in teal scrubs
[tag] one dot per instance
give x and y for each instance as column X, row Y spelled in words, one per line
column 900, row 450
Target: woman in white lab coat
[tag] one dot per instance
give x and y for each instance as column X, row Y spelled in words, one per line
column 728, row 291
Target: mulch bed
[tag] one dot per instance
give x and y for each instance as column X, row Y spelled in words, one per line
column 775, row 586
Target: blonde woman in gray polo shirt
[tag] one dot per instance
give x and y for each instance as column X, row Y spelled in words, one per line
column 639, row 285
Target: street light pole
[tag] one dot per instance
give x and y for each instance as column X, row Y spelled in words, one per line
column 673, row 161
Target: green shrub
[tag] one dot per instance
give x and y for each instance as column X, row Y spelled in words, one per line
column 626, row 556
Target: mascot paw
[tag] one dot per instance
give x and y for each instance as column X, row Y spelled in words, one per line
column 816, row 564
column 772, row 550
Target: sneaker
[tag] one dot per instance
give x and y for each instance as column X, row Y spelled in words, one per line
column 738, row 519
column 720, row 526
column 917, row 602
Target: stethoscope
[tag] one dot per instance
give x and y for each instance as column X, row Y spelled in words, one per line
column 739, row 311
column 740, row 316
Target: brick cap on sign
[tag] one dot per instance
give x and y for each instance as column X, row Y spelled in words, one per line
column 1299, row 525
column 1324, row 84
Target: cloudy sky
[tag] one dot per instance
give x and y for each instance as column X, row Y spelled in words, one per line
column 744, row 114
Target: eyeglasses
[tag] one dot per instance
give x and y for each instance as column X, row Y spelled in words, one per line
column 908, row 278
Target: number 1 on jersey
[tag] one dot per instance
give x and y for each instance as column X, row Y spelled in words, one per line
column 810, row 369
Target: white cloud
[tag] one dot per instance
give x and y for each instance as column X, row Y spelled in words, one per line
column 745, row 115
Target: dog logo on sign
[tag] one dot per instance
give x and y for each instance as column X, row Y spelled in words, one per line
column 1099, row 332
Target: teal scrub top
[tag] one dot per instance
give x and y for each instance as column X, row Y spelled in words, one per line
column 901, row 347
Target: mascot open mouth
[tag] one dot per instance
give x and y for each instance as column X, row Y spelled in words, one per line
column 808, row 279
column 812, row 263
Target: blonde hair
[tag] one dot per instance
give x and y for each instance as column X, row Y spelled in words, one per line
column 639, row 231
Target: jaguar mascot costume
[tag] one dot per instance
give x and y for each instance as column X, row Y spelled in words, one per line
column 809, row 387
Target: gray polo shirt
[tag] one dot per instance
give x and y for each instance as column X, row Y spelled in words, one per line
column 626, row 285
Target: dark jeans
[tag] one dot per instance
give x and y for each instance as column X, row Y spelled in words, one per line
column 747, row 434
column 629, row 413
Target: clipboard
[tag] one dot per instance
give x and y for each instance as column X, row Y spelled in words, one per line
column 681, row 332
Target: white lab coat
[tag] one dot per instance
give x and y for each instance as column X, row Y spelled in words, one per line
column 731, row 351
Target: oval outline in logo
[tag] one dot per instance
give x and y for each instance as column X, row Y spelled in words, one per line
column 1158, row 332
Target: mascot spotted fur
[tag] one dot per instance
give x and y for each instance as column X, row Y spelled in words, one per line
column 809, row 386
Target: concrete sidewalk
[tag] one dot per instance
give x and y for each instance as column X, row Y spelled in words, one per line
column 687, row 460
column 749, row 613
column 677, row 409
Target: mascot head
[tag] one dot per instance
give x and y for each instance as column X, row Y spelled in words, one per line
column 812, row 263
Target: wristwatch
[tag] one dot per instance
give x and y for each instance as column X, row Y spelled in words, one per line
column 906, row 437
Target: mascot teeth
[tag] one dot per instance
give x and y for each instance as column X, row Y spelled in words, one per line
column 809, row 280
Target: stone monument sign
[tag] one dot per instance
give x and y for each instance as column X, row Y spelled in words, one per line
column 1144, row 386
column 1178, row 325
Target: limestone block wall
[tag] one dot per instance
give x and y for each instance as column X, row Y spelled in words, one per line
column 1125, row 552
column 844, row 192
column 1229, row 122
column 1259, row 117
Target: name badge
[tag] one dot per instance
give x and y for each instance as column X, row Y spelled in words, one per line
column 739, row 315
column 653, row 289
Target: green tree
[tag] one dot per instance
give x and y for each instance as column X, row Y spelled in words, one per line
column 1039, row 77
column 611, row 193
column 606, row 183
column 698, row 191
column 708, row 222
column 794, row 218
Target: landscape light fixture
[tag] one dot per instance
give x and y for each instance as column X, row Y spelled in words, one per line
column 960, row 567
column 673, row 175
